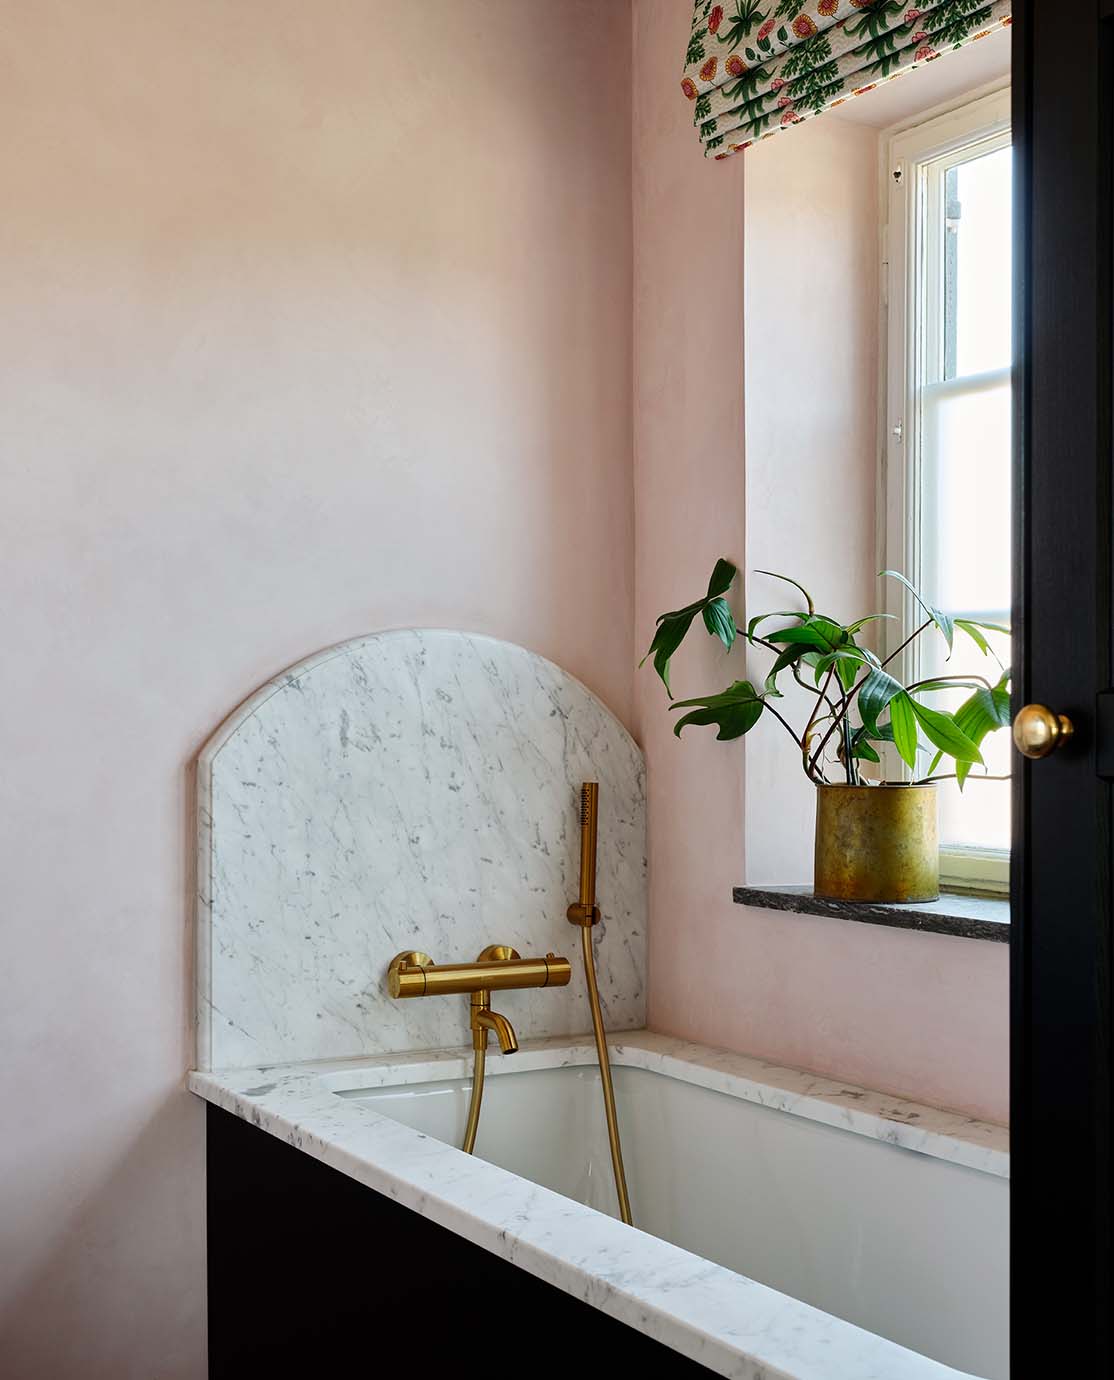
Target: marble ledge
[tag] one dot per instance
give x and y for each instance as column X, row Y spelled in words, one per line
column 941, row 1134
column 960, row 915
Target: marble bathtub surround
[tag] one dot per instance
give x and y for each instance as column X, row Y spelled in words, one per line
column 727, row 1322
column 407, row 790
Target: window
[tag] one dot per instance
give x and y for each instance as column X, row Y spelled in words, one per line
column 946, row 453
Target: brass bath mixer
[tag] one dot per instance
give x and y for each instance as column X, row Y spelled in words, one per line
column 500, row 968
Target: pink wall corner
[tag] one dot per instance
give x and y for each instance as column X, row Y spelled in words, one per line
column 922, row 1016
column 316, row 321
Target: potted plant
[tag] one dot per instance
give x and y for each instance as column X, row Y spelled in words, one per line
column 876, row 840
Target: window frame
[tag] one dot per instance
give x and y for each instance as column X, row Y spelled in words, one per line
column 982, row 120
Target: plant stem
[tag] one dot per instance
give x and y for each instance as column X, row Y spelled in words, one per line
column 912, row 636
column 816, row 708
column 849, row 697
column 761, row 642
column 811, row 766
column 784, row 723
column 848, row 756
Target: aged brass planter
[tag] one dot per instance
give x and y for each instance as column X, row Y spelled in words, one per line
column 877, row 843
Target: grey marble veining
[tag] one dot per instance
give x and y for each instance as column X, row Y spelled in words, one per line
column 732, row 1324
column 412, row 789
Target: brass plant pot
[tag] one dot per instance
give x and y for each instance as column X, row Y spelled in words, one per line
column 877, row 843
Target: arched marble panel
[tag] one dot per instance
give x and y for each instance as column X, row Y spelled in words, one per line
column 412, row 789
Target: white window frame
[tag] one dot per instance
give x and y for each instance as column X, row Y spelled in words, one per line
column 983, row 121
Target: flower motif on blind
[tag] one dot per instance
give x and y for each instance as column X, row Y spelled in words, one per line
column 787, row 60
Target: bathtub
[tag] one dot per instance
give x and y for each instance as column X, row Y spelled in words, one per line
column 786, row 1225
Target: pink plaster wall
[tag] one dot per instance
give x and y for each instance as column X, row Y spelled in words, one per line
column 920, row 1015
column 316, row 319
column 301, row 337
column 810, row 287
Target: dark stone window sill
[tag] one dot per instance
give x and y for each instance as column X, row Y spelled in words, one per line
column 967, row 917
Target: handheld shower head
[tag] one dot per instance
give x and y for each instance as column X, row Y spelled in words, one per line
column 589, row 829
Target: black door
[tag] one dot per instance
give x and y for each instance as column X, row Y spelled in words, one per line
column 1061, row 883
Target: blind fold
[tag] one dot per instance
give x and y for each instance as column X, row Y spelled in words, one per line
column 756, row 67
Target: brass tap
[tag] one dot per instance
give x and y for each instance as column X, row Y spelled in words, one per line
column 483, row 1020
column 499, row 967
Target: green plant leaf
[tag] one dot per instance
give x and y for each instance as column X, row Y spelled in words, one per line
column 719, row 621
column 693, row 609
column 903, row 721
column 934, row 683
column 722, row 577
column 735, row 711
column 877, row 691
column 870, row 618
column 774, row 575
column 944, row 621
column 847, row 661
column 761, row 618
column 942, row 731
column 977, row 631
column 832, row 632
column 847, row 668
column 801, row 636
column 861, row 747
column 672, row 628
column 983, row 712
column 974, row 633
column 783, row 659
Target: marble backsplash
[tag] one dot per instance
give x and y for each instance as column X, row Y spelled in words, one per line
column 412, row 789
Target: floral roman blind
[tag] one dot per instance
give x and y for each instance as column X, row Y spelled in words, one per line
column 756, row 67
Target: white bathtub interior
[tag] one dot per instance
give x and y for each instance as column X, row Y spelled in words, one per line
column 906, row 1245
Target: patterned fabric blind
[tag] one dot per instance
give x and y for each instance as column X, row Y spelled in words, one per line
column 756, row 67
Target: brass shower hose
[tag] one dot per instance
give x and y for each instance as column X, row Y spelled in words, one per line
column 586, row 914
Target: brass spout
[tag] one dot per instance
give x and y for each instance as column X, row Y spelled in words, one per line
column 483, row 1019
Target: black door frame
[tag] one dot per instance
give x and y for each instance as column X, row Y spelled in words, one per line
column 1061, row 870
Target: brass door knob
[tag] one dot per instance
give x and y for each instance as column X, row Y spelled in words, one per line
column 1037, row 731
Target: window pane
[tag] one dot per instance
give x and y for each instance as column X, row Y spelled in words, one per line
column 966, row 459
column 966, row 513
column 979, row 816
column 977, row 264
